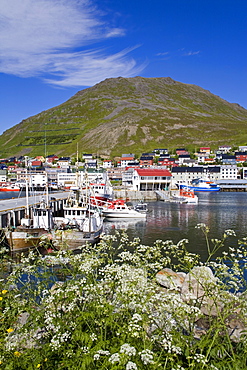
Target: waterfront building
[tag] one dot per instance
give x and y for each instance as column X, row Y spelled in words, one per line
column 146, row 179
column 228, row 172
column 187, row 174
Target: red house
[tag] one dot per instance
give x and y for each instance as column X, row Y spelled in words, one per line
column 241, row 156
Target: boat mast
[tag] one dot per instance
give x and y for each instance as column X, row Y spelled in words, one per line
column 27, row 203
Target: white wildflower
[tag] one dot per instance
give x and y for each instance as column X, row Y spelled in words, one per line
column 131, row 366
column 146, row 356
column 136, row 317
column 128, row 350
column 99, row 353
column 229, row 232
column 93, row 337
column 115, row 357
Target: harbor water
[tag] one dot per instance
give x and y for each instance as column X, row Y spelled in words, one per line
column 175, row 221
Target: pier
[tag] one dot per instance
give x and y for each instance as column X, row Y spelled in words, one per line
column 13, row 210
column 232, row 185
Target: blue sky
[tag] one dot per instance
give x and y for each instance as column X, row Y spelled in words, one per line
column 50, row 49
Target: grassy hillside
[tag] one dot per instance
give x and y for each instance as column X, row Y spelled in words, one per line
column 122, row 115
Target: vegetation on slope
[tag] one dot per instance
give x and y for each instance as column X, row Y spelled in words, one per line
column 121, row 115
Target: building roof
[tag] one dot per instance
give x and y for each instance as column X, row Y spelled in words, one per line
column 199, row 169
column 184, row 156
column 153, row 172
column 146, row 158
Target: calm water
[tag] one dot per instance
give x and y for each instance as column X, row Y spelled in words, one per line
column 173, row 221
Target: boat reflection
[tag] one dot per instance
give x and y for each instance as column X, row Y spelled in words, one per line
column 133, row 225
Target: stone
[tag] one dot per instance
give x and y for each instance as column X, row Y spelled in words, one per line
column 170, row 279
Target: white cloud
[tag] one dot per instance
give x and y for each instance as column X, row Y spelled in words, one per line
column 96, row 67
column 42, row 38
column 189, row 53
column 163, row 54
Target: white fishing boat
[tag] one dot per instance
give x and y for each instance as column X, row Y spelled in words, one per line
column 119, row 209
column 80, row 224
column 7, row 186
column 185, row 195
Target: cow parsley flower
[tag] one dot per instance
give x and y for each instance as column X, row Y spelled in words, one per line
column 115, row 357
column 146, row 356
column 131, row 366
column 128, row 350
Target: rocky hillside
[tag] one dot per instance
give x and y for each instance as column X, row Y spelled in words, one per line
column 123, row 115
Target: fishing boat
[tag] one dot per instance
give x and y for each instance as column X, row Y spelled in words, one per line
column 185, row 195
column 100, row 192
column 119, row 209
column 200, row 185
column 35, row 226
column 9, row 187
column 80, row 224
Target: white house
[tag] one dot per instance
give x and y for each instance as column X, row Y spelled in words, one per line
column 126, row 160
column 107, row 164
column 225, row 149
column 64, row 162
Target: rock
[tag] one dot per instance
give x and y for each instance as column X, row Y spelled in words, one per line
column 198, row 283
column 170, row 279
column 236, row 327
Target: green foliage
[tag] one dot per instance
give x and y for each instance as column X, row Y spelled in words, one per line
column 103, row 308
column 164, row 112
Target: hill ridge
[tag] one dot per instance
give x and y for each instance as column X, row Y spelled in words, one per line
column 135, row 114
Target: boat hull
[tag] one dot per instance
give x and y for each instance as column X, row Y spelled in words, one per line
column 123, row 214
column 199, row 188
column 9, row 189
column 74, row 239
column 24, row 240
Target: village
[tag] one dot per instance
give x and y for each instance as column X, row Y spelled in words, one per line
column 151, row 171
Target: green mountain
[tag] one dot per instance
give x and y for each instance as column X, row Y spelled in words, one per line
column 130, row 115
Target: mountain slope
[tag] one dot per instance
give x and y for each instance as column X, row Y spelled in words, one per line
column 122, row 115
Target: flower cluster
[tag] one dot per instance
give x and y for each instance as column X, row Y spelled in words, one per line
column 103, row 308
